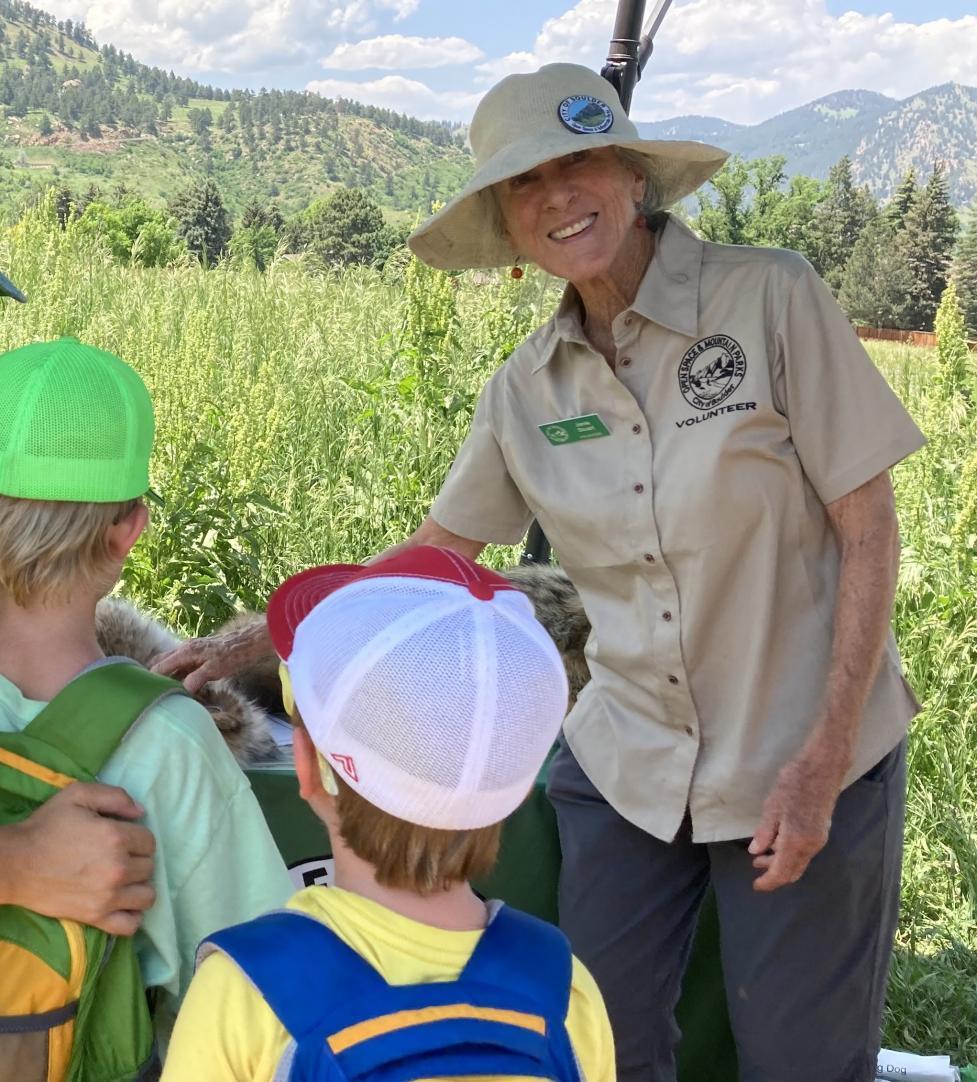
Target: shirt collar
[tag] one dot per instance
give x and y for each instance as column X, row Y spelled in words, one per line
column 668, row 293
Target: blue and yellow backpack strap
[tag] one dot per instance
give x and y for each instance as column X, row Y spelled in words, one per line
column 72, row 1003
column 505, row 1015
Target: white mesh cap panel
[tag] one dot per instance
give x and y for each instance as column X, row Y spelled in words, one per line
column 443, row 706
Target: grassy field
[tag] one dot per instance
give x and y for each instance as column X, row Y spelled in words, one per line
column 307, row 419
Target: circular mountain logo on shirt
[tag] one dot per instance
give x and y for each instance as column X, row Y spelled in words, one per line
column 711, row 371
column 586, row 115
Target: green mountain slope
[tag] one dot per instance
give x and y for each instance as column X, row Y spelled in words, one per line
column 882, row 136
column 77, row 114
column 939, row 124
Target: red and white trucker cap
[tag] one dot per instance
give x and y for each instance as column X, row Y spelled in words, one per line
column 425, row 680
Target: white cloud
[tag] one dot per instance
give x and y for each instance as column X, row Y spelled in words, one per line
column 515, row 63
column 403, row 95
column 400, row 8
column 395, row 51
column 745, row 60
column 228, row 35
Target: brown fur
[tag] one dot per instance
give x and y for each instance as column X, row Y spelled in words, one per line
column 240, row 706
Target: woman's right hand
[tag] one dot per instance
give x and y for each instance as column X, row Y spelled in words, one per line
column 198, row 661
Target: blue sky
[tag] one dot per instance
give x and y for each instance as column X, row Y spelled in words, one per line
column 743, row 60
column 909, row 10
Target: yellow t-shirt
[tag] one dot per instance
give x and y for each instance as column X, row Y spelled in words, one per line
column 226, row 1032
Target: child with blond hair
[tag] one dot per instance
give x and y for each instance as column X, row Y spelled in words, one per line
column 76, row 430
column 426, row 697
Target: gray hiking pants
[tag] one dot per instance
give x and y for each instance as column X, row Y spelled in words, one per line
column 805, row 966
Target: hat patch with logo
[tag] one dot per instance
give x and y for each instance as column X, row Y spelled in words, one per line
column 586, row 115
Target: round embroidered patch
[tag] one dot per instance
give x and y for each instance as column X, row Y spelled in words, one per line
column 711, row 371
column 586, row 115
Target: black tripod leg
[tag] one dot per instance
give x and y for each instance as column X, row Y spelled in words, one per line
column 537, row 548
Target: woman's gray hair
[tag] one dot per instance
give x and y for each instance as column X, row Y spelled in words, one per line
column 651, row 203
column 493, row 210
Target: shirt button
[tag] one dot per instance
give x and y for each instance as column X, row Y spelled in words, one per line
column 636, row 429
column 672, row 679
column 639, row 487
column 625, row 362
column 666, row 615
column 649, row 559
column 689, row 731
column 628, row 320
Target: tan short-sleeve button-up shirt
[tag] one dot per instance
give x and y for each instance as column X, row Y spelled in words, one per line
column 695, row 530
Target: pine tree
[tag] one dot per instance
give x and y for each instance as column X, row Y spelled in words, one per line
column 965, row 272
column 257, row 214
column 877, row 283
column 202, row 220
column 839, row 219
column 902, row 202
column 931, row 231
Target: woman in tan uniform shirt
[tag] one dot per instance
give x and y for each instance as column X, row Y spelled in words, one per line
column 707, row 447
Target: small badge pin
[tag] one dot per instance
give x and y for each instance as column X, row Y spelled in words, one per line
column 574, row 429
column 586, row 115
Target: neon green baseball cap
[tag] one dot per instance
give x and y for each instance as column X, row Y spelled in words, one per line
column 76, row 424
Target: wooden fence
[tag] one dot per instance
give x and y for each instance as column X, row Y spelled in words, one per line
column 911, row 338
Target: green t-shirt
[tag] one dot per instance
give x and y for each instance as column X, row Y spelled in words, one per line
column 216, row 863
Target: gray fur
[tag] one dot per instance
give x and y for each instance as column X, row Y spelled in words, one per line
column 559, row 609
column 123, row 631
column 555, row 600
column 240, row 706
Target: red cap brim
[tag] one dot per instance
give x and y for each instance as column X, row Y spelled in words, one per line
column 298, row 596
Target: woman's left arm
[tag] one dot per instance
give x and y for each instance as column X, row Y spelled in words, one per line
column 797, row 813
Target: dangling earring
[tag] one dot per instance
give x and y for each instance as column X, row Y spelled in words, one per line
column 516, row 271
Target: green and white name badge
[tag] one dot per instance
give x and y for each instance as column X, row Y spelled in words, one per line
column 574, row 429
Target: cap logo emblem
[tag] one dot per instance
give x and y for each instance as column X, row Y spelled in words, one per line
column 347, row 764
column 586, row 115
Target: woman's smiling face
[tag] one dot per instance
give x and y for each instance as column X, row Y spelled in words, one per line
column 573, row 215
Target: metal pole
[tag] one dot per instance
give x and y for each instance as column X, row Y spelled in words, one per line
column 621, row 69
column 649, row 31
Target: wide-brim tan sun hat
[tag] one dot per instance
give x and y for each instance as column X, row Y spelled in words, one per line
column 526, row 120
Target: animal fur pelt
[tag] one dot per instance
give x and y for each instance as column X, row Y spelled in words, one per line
column 559, row 609
column 555, row 601
column 123, row 631
column 240, row 706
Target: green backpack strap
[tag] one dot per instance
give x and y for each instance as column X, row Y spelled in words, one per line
column 88, row 718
